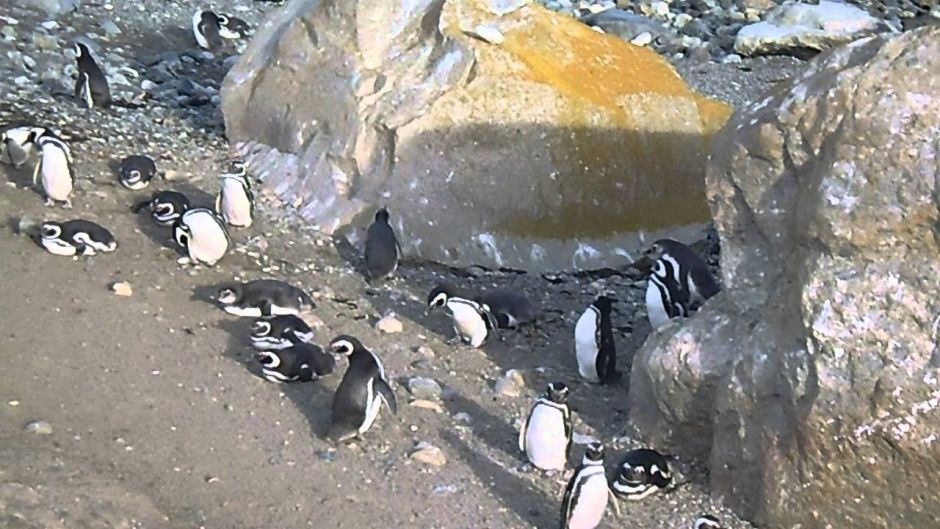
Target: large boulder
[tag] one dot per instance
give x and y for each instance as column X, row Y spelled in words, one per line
column 811, row 383
column 525, row 140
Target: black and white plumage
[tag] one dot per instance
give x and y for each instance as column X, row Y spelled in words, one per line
column 91, row 85
column 679, row 284
column 16, row 143
column 302, row 362
column 546, row 434
column 279, row 332
column 263, row 297
column 587, row 493
column 236, row 202
column 361, row 393
column 166, row 207
column 594, row 343
column 642, row 472
column 54, row 168
column 206, row 29
column 203, row 235
column 472, row 320
column 233, row 28
column 76, row 237
column 706, row 521
column 511, row 308
column 137, row 171
column 382, row 249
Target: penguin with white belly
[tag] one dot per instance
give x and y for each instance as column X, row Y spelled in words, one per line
column 361, row 393
column 546, row 434
column 587, row 493
column 263, row 297
column 203, row 235
column 236, row 202
column 76, row 237
column 166, row 207
column 302, row 362
column 642, row 472
column 594, row 343
column 54, row 169
column 16, row 143
column 279, row 332
column 473, row 322
column 680, row 282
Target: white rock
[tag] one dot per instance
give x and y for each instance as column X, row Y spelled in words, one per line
column 489, row 34
column 660, row 9
column 123, row 289
column 795, row 25
column 429, row 455
column 389, row 325
column 733, row 58
column 681, row 20
column 511, row 384
column 599, row 8
column 504, row 7
column 642, row 39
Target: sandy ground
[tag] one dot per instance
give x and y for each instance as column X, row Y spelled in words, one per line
column 159, row 416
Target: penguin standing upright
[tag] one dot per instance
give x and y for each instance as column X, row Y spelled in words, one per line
column 206, row 29
column 54, row 169
column 16, row 143
column 302, row 362
column 91, row 85
column 76, row 237
column 137, row 171
column 679, row 284
column 203, row 235
column 594, row 343
column 263, row 297
column 546, row 434
column 642, row 472
column 587, row 493
column 235, row 202
column 382, row 249
column 166, row 207
column 472, row 320
column 361, row 392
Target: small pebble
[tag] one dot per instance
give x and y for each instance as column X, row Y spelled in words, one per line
column 424, row 388
column 123, row 289
column 389, row 325
column 39, row 428
column 489, row 34
column 429, row 455
column 642, row 39
column 511, row 384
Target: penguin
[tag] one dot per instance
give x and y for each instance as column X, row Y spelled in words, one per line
column 472, row 320
column 546, row 434
column 594, row 343
column 76, row 237
column 361, row 393
column 510, row 308
column 54, row 167
column 679, row 284
column 166, row 207
column 706, row 521
column 17, row 142
column 235, row 202
column 382, row 248
column 232, row 28
column 642, row 473
column 279, row 332
column 203, row 235
column 302, row 362
column 137, row 171
column 91, row 85
column 263, row 297
column 586, row 495
column 206, row 29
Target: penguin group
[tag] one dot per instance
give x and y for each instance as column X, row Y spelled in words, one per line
column 679, row 284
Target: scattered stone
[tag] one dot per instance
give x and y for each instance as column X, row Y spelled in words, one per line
column 110, row 28
column 642, row 39
column 444, row 490
column 429, row 455
column 389, row 325
column 488, row 33
column 512, row 384
column 504, row 7
column 733, row 58
column 463, row 417
column 39, row 428
column 425, row 351
column 424, row 388
column 427, row 405
column 122, row 288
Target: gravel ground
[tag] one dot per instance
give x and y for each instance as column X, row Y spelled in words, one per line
column 147, row 411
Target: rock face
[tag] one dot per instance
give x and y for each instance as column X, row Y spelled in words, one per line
column 798, row 27
column 812, row 382
column 551, row 150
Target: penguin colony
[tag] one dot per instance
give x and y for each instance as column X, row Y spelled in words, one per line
column 679, row 283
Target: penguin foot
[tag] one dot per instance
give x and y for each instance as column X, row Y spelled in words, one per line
column 68, row 204
column 50, row 202
column 454, row 340
column 184, row 261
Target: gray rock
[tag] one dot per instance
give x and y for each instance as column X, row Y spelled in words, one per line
column 810, row 384
column 110, row 28
column 424, row 388
column 625, row 24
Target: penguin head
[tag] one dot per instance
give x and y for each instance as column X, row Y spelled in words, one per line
column 381, row 216
column 345, row 345
column 182, row 233
column 81, row 50
column 440, row 294
column 228, row 295
column 632, row 475
column 558, row 392
column 604, row 302
column 269, row 359
column 237, row 168
column 706, row 521
column 594, row 452
column 50, row 230
column 260, row 328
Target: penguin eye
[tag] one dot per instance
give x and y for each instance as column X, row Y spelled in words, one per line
column 51, row 232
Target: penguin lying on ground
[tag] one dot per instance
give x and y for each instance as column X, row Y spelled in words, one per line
column 302, row 362
column 642, row 473
column 76, row 237
column 279, row 332
column 361, row 393
column 263, row 297
column 166, row 207
column 137, row 171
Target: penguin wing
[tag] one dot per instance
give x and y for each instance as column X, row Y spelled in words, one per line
column 569, row 432
column 385, row 391
column 525, row 426
column 218, row 202
column 567, row 504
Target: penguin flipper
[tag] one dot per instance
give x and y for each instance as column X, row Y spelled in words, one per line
column 36, row 172
column 385, row 391
column 525, row 426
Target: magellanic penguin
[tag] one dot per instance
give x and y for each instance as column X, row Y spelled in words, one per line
column 166, row 207
column 91, row 85
column 642, row 473
column 679, row 284
column 510, row 307
column 706, row 521
column 203, row 235
column 472, row 320
column 233, row 28
column 587, row 493
column 263, row 297
column 76, row 237
column 382, row 249
column 302, row 362
column 206, row 29
column 546, row 434
column 279, row 332
column 594, row 343
column 54, row 168
column 361, row 393
column 16, row 143
column 137, row 171
column 235, row 202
